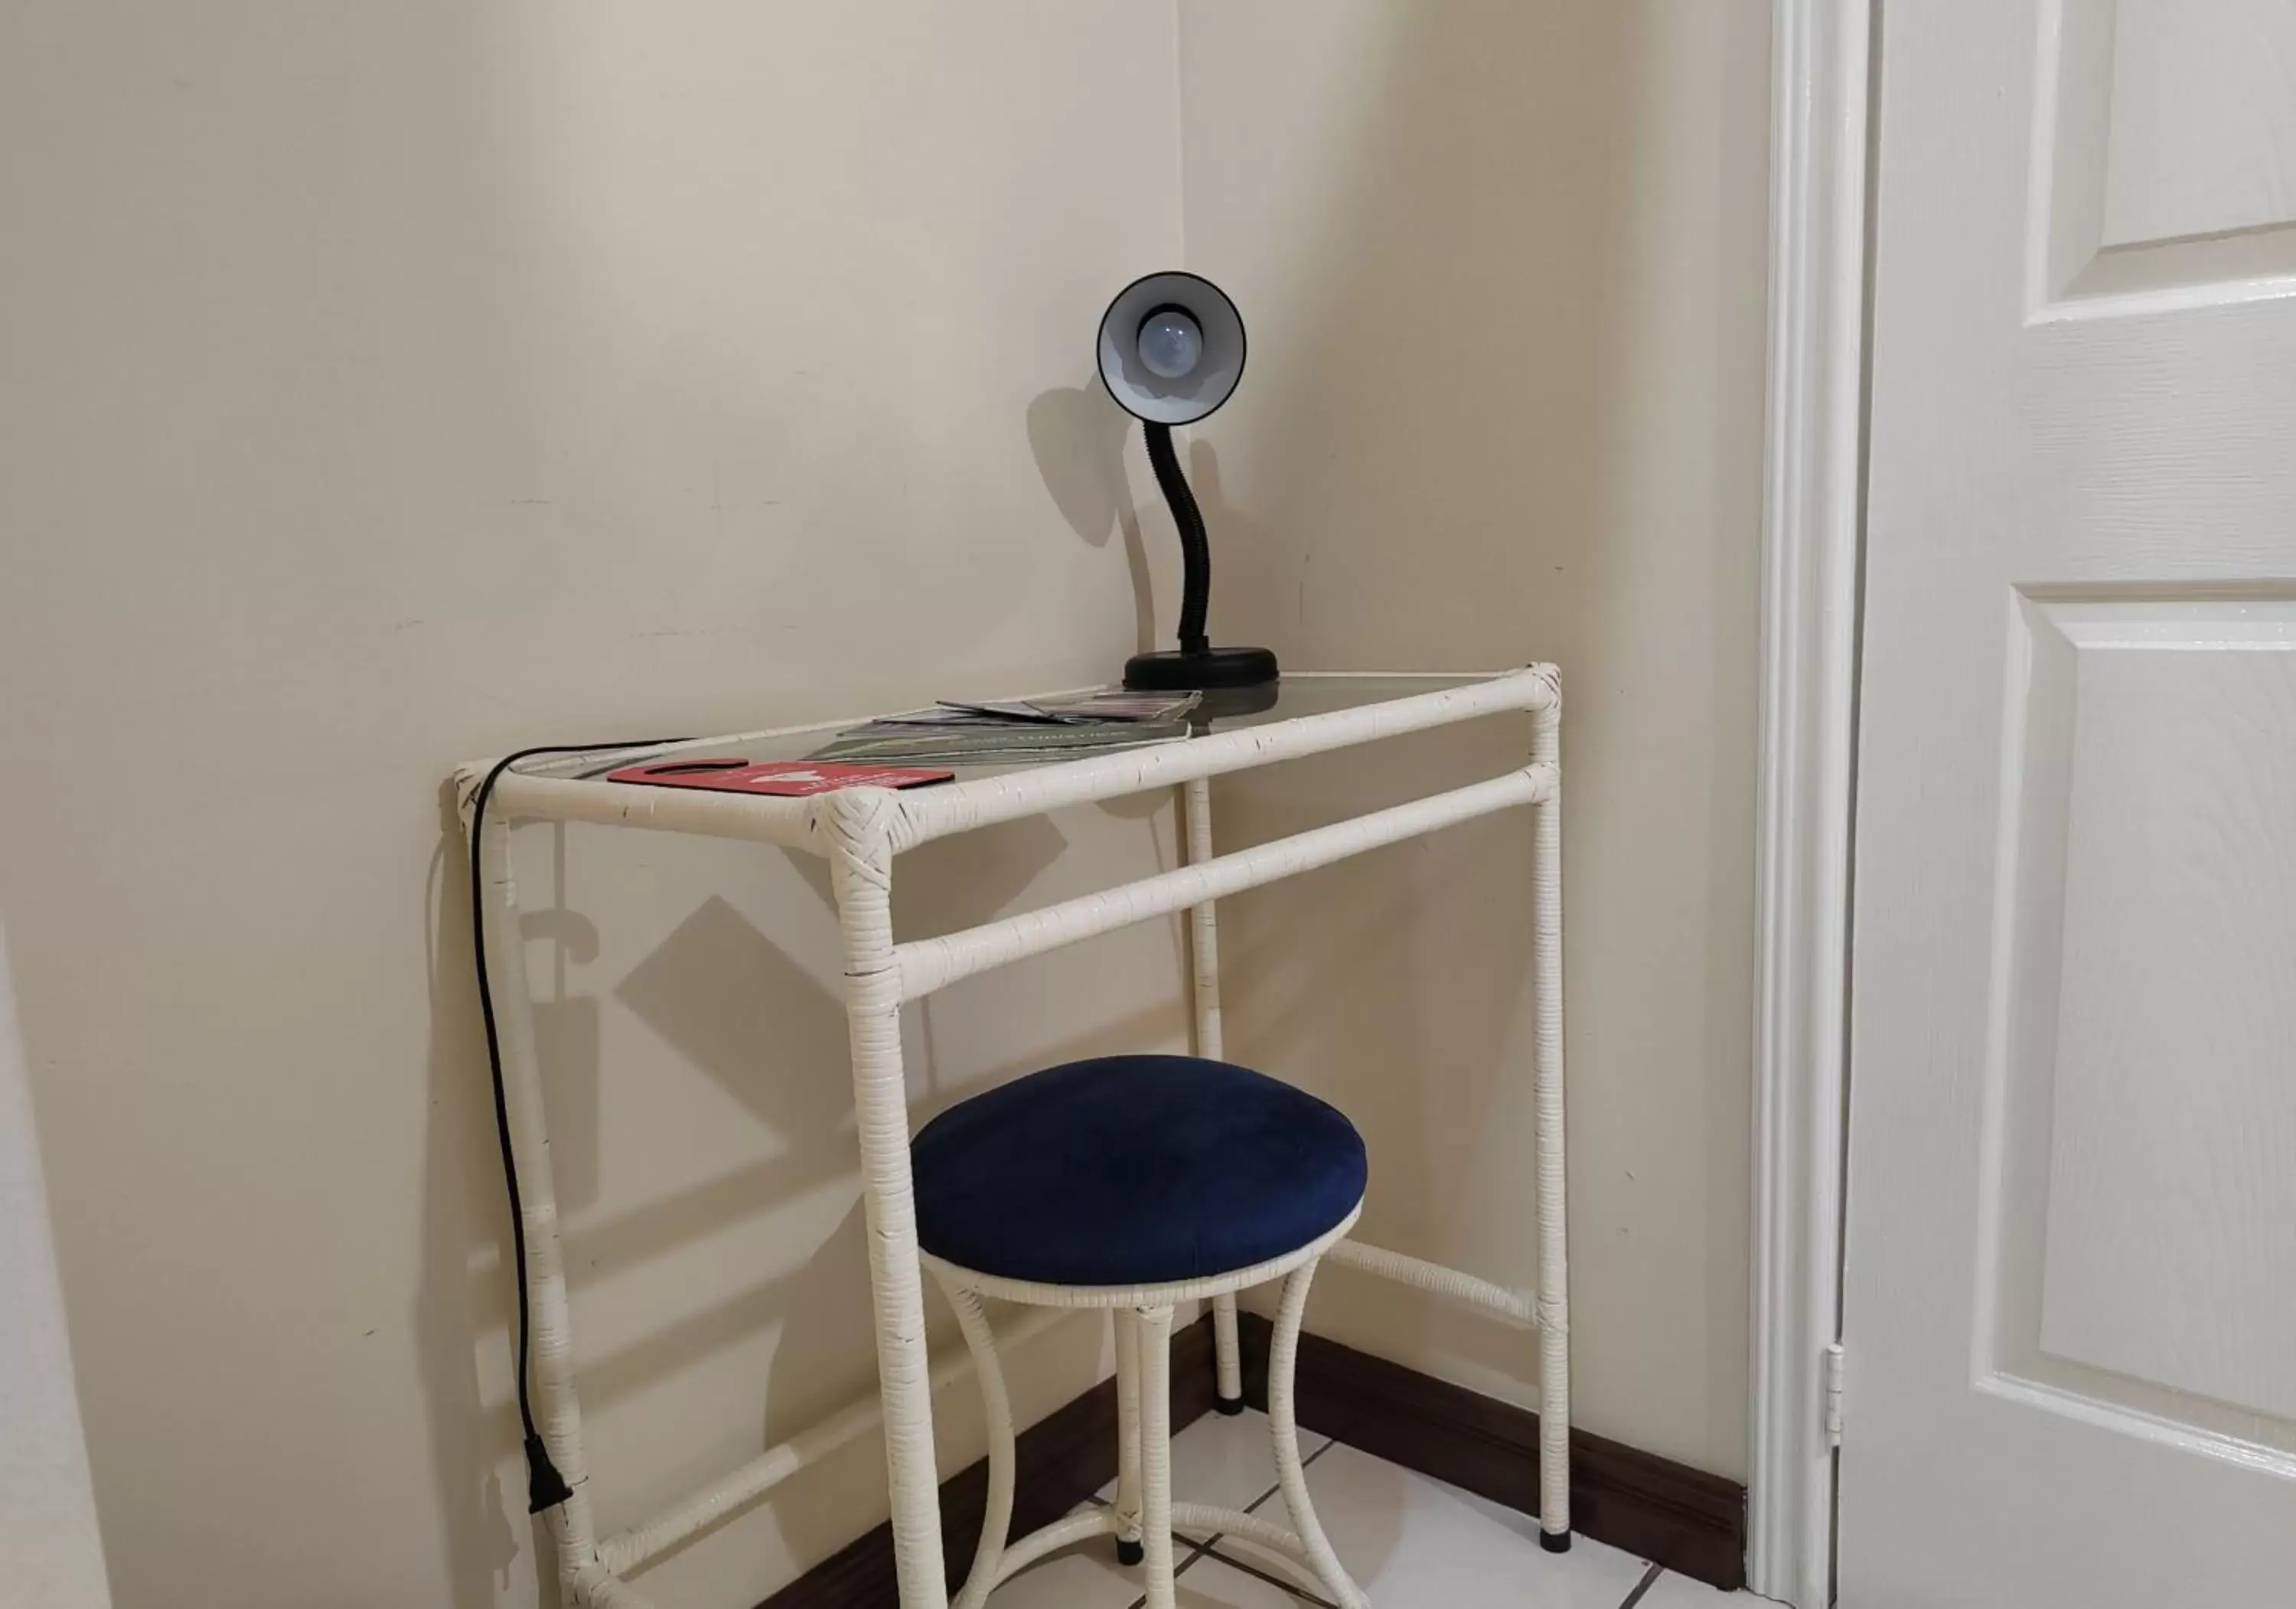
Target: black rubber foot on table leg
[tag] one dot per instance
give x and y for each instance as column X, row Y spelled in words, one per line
column 1227, row 1407
column 1554, row 1541
column 1128, row 1554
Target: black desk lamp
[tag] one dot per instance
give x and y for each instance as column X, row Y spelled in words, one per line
column 1171, row 351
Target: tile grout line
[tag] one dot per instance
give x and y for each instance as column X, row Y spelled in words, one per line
column 1648, row 1580
column 1208, row 1548
column 1196, row 1551
column 1233, row 1563
column 1178, row 1570
column 1295, row 1592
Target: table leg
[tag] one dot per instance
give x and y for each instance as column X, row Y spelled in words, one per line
column 557, row 1411
column 1204, row 951
column 861, row 873
column 1553, row 1267
column 1128, row 1551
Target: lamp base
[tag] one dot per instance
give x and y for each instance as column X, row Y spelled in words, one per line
column 1175, row 670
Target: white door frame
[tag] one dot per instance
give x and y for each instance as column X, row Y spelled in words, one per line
column 1820, row 58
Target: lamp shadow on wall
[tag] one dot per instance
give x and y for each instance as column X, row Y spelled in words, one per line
column 1077, row 434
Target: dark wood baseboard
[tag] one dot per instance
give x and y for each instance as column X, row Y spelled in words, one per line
column 1063, row 1460
column 1683, row 1518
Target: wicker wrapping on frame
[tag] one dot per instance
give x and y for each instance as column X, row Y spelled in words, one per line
column 861, row 832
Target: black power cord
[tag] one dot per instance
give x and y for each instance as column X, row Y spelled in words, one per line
column 545, row 1488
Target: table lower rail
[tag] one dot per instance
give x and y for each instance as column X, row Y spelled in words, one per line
column 603, row 1585
column 927, row 964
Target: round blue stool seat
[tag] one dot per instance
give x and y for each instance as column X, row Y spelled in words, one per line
column 1133, row 1171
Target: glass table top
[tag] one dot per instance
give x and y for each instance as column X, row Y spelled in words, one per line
column 1219, row 711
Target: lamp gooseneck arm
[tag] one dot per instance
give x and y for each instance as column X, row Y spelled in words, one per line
column 1195, row 546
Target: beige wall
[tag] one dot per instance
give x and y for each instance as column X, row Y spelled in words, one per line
column 391, row 385
column 1503, row 267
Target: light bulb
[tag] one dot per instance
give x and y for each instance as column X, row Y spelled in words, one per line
column 1170, row 344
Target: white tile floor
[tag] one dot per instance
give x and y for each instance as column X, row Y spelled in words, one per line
column 1411, row 1543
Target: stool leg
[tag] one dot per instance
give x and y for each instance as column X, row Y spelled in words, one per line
column 1227, row 1357
column 1291, row 1474
column 1129, row 1550
column 1155, row 1326
column 997, row 1523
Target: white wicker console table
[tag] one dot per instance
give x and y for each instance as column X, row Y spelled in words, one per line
column 862, row 832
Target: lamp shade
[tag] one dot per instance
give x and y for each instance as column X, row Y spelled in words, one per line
column 1171, row 348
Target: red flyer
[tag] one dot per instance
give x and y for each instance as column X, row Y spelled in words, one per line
column 780, row 779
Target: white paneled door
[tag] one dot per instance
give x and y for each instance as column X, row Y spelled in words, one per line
column 2070, row 1287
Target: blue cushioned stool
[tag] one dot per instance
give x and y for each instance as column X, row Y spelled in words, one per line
column 1133, row 1182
